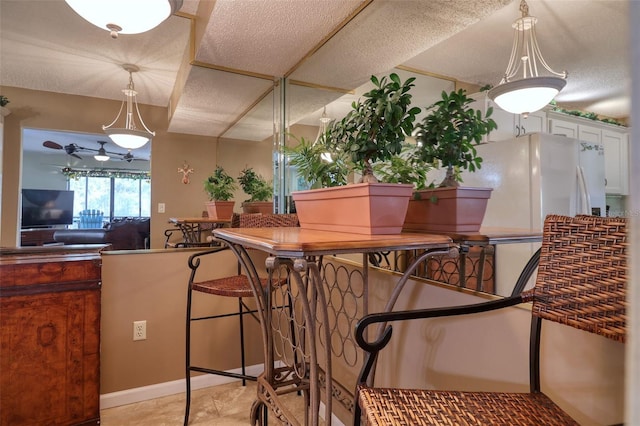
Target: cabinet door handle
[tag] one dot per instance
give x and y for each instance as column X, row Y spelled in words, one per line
column 517, row 130
column 524, row 131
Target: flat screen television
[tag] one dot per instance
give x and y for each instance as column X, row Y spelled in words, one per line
column 46, row 207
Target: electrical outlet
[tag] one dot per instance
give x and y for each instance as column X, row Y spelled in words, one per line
column 161, row 207
column 139, row 330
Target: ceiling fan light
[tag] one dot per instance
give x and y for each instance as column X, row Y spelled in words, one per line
column 128, row 17
column 127, row 138
column 100, row 157
column 526, row 95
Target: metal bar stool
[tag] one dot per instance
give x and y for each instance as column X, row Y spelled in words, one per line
column 581, row 283
column 237, row 286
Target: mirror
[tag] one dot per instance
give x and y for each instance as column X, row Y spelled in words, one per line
column 56, row 160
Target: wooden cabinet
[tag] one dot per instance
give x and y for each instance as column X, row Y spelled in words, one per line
column 509, row 125
column 50, row 338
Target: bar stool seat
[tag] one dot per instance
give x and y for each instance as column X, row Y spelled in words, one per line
column 236, row 286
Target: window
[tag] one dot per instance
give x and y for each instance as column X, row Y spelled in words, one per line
column 116, row 197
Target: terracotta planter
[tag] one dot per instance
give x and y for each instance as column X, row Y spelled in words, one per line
column 459, row 209
column 363, row 208
column 264, row 207
column 222, row 210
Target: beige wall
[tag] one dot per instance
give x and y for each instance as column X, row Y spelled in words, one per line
column 152, row 286
column 47, row 110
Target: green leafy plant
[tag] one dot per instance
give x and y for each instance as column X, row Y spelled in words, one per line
column 448, row 133
column 375, row 129
column 317, row 165
column 406, row 167
column 254, row 185
column 219, row 185
column 585, row 114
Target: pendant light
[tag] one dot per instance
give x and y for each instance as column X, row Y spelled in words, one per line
column 324, row 125
column 129, row 136
column 532, row 91
column 125, row 16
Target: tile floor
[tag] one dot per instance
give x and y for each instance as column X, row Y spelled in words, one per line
column 224, row 405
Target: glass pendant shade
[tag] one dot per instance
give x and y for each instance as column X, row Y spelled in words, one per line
column 125, row 16
column 522, row 90
column 129, row 139
column 526, row 95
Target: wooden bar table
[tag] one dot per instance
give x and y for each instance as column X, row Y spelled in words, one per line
column 191, row 228
column 302, row 340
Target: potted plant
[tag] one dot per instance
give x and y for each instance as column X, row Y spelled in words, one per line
column 406, row 167
column 316, row 166
column 446, row 138
column 259, row 190
column 374, row 130
column 4, row 111
column 219, row 186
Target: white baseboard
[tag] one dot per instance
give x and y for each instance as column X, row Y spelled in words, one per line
column 144, row 393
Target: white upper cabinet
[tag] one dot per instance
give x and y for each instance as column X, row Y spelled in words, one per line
column 616, row 161
column 614, row 139
column 563, row 128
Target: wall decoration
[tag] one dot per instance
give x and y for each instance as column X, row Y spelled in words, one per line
column 186, row 171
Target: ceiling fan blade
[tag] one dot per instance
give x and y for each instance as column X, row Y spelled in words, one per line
column 52, row 145
column 75, row 155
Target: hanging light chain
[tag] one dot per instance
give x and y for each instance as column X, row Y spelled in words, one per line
column 525, row 51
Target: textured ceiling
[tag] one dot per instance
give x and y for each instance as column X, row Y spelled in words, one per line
column 221, row 86
column 587, row 38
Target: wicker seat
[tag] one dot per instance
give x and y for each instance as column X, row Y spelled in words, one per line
column 581, row 282
column 237, row 286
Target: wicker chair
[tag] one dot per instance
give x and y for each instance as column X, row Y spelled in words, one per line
column 234, row 286
column 581, row 282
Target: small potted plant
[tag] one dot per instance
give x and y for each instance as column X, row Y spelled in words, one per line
column 219, row 186
column 3, row 103
column 260, row 192
column 447, row 137
column 374, row 130
column 316, row 166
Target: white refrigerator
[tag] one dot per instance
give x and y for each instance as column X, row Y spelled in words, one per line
column 533, row 176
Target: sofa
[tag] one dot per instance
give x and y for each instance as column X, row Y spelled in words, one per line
column 120, row 234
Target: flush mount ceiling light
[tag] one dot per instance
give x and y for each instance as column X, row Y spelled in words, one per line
column 531, row 92
column 129, row 136
column 125, row 16
column 102, row 153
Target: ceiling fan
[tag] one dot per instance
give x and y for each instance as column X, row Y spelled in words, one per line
column 73, row 149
